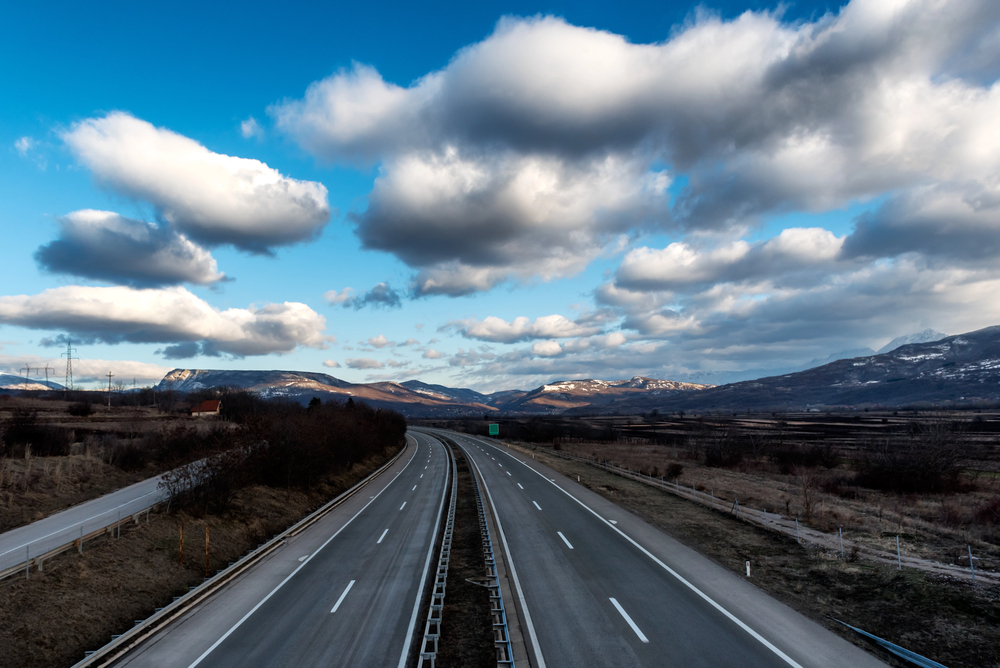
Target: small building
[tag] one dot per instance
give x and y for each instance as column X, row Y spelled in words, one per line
column 206, row 408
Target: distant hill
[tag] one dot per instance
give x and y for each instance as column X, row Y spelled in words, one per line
column 925, row 336
column 587, row 394
column 12, row 382
column 962, row 369
column 417, row 398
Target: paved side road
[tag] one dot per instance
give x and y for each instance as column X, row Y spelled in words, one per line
column 345, row 592
column 66, row 526
column 603, row 588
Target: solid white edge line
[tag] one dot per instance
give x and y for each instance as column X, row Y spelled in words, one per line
column 301, row 566
column 536, row 505
column 427, row 567
column 733, row 618
column 379, row 541
column 343, row 596
column 568, row 544
column 628, row 619
column 513, row 572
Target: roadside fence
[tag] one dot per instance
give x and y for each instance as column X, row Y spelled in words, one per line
column 789, row 526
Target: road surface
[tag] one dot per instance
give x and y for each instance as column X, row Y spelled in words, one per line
column 66, row 526
column 345, row 592
column 603, row 588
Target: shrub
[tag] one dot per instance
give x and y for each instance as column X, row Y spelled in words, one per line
column 81, row 409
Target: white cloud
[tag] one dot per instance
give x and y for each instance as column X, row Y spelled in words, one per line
column 431, row 354
column 24, row 145
column 546, row 349
column 107, row 246
column 680, row 265
column 168, row 315
column 408, row 342
column 331, row 364
column 526, row 155
column 378, row 342
column 335, row 297
column 498, row 330
column 251, row 128
column 363, row 363
column 212, row 198
column 88, row 370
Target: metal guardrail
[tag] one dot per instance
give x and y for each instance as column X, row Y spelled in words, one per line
column 432, row 628
column 501, row 636
column 901, row 652
column 142, row 631
column 26, row 557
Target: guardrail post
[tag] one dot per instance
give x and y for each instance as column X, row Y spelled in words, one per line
column 899, row 562
column 27, row 562
column 81, row 539
column 971, row 565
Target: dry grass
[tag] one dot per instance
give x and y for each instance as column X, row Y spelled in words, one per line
column 931, row 526
column 81, row 600
column 35, row 487
column 949, row 621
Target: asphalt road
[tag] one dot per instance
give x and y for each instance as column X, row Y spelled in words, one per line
column 603, row 588
column 345, row 592
column 65, row 526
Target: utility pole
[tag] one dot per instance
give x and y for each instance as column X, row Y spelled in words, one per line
column 109, row 389
column 27, row 371
column 69, row 365
column 47, row 369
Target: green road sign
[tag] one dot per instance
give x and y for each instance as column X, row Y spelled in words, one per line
column 494, row 430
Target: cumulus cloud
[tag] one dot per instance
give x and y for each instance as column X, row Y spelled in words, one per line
column 167, row 315
column 331, row 364
column 210, row 197
column 378, row 342
column 499, row 330
column 408, row 342
column 251, row 128
column 547, row 349
column 107, row 246
column 431, row 354
column 363, row 363
column 679, row 265
column 532, row 149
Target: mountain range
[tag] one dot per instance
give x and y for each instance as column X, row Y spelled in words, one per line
column 949, row 370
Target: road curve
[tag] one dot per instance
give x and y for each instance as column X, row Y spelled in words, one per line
column 347, row 591
column 604, row 588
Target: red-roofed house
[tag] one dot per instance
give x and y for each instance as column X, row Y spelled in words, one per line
column 205, row 408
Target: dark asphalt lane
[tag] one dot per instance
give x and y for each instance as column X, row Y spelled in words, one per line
column 597, row 598
column 347, row 597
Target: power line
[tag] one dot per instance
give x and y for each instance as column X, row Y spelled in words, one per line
column 69, row 365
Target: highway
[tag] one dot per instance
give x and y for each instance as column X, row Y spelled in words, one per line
column 597, row 586
column 66, row 526
column 346, row 591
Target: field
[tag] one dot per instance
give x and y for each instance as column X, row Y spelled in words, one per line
column 933, row 479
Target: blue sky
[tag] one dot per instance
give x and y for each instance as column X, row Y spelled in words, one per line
column 544, row 191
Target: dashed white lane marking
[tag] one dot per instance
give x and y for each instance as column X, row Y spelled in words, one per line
column 342, row 596
column 414, row 487
column 613, row 521
column 499, row 464
column 519, row 485
column 403, row 506
column 508, row 473
column 425, row 468
column 629, row 620
column 568, row 544
column 387, row 531
column 303, row 558
column 421, row 475
column 536, row 505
